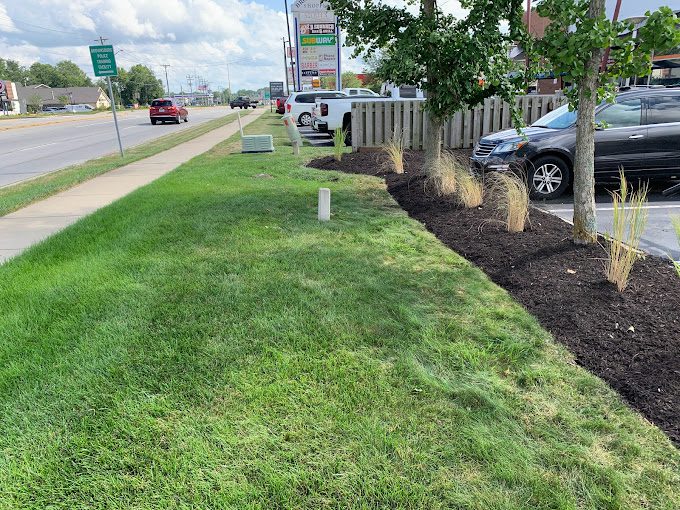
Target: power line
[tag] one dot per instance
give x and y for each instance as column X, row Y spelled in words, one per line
column 14, row 20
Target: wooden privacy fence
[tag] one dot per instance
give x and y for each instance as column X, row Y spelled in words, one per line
column 375, row 122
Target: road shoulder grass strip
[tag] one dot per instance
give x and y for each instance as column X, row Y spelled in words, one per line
column 205, row 342
column 20, row 195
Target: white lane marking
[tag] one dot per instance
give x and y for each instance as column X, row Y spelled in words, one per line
column 670, row 206
column 37, row 147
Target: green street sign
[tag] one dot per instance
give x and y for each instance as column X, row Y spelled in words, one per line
column 103, row 60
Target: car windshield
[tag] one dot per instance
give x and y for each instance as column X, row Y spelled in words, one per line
column 560, row 118
column 161, row 103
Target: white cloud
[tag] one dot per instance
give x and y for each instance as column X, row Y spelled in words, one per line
column 195, row 37
column 6, row 23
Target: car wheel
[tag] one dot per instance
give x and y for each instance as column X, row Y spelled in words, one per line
column 232, row 107
column 305, row 119
column 186, row 119
column 153, row 121
column 548, row 177
column 177, row 121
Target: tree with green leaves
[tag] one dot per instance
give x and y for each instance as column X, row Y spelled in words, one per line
column 34, row 103
column 459, row 62
column 63, row 99
column 68, row 74
column 349, row 80
column 13, row 71
column 574, row 45
column 44, row 74
column 140, row 85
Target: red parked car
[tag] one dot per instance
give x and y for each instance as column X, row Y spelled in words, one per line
column 167, row 110
column 281, row 105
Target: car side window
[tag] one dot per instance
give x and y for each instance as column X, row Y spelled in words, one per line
column 664, row 109
column 622, row 114
column 305, row 98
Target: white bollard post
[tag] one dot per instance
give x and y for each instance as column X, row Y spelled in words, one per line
column 324, row 204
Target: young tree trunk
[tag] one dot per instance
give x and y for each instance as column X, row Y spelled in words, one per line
column 433, row 136
column 432, row 144
column 585, row 222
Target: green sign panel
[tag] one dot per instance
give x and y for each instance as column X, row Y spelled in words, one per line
column 103, row 60
column 317, row 40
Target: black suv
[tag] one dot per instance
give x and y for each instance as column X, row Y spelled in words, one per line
column 640, row 131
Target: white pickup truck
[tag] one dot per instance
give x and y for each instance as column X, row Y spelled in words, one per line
column 327, row 116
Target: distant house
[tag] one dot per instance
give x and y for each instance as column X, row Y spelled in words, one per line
column 92, row 96
column 9, row 102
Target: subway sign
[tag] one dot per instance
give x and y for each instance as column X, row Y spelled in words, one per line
column 317, row 40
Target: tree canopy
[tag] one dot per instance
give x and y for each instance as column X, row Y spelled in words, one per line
column 568, row 51
column 63, row 74
column 13, row 71
column 459, row 62
column 138, row 85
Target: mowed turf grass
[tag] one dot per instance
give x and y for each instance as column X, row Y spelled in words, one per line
column 206, row 343
column 19, row 195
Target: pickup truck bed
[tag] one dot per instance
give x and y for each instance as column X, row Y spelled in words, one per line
column 327, row 116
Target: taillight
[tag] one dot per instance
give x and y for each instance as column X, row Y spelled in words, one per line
column 289, row 107
column 324, row 109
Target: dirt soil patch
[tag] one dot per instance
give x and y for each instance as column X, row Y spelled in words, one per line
column 629, row 339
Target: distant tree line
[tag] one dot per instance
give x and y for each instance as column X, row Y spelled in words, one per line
column 137, row 85
column 63, row 74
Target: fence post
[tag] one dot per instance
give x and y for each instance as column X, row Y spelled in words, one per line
column 356, row 121
column 417, row 126
column 369, row 124
column 486, row 124
column 406, row 124
column 379, row 133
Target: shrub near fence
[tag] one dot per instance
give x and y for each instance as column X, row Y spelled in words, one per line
column 374, row 122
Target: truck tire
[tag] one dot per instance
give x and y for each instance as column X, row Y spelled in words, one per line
column 347, row 128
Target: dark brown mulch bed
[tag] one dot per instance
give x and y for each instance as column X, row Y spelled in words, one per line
column 630, row 339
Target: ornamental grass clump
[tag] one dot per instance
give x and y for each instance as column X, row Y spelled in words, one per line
column 395, row 152
column 630, row 219
column 445, row 175
column 469, row 187
column 512, row 197
column 676, row 226
column 339, row 143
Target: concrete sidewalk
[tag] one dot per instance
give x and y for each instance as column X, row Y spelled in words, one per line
column 23, row 228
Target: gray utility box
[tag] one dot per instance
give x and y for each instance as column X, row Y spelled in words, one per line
column 257, row 143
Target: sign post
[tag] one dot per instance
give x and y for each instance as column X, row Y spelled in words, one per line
column 104, row 65
column 317, row 42
column 275, row 90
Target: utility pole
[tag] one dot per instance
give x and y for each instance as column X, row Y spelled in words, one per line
column 285, row 66
column 290, row 44
column 229, row 81
column 167, row 83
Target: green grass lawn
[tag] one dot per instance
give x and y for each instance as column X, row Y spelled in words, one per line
column 206, row 343
column 20, row 195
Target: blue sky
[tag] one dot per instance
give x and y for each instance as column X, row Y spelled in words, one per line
column 195, row 37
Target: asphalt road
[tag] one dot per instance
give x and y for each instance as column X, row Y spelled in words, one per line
column 32, row 147
column 659, row 237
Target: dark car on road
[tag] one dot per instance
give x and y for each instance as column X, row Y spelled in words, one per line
column 640, row 132
column 242, row 102
column 167, row 110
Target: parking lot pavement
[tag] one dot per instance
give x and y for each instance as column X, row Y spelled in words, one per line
column 659, row 237
column 316, row 139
